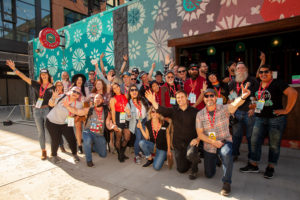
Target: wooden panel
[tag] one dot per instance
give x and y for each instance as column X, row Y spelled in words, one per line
column 246, row 31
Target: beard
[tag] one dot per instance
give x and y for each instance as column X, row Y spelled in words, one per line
column 99, row 105
column 241, row 76
column 194, row 75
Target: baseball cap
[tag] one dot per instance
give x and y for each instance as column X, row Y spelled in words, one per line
column 135, row 70
column 193, row 65
column 210, row 90
column 44, row 71
column 126, row 74
column 142, row 74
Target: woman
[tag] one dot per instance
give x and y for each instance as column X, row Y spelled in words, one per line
column 100, row 88
column 136, row 109
column 157, row 139
column 79, row 80
column 230, row 72
column 117, row 106
column 159, row 93
column 43, row 91
column 60, row 121
column 220, row 87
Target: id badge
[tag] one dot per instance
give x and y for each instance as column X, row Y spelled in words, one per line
column 233, row 96
column 212, row 135
column 172, row 101
column 39, row 103
column 71, row 121
column 220, row 101
column 260, row 104
column 257, row 110
column 122, row 117
column 192, row 98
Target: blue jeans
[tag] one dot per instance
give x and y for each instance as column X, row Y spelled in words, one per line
column 210, row 162
column 274, row 127
column 138, row 137
column 244, row 122
column 99, row 144
column 160, row 155
column 40, row 115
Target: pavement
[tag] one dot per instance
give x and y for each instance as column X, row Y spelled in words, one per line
column 24, row 176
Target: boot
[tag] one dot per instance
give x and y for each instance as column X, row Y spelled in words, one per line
column 123, row 149
column 120, row 157
column 44, row 154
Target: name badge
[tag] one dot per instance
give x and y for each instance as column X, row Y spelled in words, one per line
column 192, row 98
column 212, row 135
column 232, row 96
column 70, row 121
column 260, row 104
column 122, row 117
column 39, row 103
column 220, row 101
column 172, row 101
column 163, row 128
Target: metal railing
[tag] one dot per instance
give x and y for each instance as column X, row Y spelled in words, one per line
column 17, row 114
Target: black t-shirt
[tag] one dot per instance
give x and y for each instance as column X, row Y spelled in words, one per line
column 273, row 98
column 253, row 88
column 47, row 95
column 161, row 140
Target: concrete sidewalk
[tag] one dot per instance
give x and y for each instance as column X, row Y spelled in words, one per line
column 24, row 176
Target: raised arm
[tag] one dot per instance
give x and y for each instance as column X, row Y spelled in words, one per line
column 200, row 98
column 75, row 111
column 52, row 101
column 11, row 65
column 166, row 112
column 102, row 64
column 125, row 59
column 240, row 100
column 151, row 71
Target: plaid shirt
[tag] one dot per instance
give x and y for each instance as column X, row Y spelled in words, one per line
column 221, row 125
column 89, row 84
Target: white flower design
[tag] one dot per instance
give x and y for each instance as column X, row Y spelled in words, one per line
column 110, row 25
column 134, row 48
column 64, row 63
column 190, row 33
column 109, row 54
column 95, row 55
column 228, row 2
column 136, row 16
column 94, row 29
column 157, row 45
column 160, row 11
column 78, row 59
column 52, row 65
column 189, row 10
column 42, row 49
column 77, row 36
column 232, row 21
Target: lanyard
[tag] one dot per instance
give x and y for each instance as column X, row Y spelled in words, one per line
column 157, row 98
column 263, row 90
column 41, row 90
column 139, row 107
column 122, row 102
column 193, row 85
column 213, row 122
column 99, row 114
column 219, row 92
column 172, row 90
column 74, row 106
column 155, row 133
column 145, row 87
column 230, row 77
column 238, row 87
column 125, row 90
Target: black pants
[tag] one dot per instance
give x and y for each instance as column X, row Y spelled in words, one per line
column 56, row 131
column 186, row 158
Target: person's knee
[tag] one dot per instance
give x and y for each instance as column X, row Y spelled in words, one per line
column 157, row 167
column 226, row 151
column 142, row 144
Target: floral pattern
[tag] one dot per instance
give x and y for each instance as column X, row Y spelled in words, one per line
column 134, row 48
column 77, row 36
column 64, row 63
column 95, row 55
column 157, row 45
column 94, row 29
column 78, row 59
column 136, row 17
column 191, row 12
column 52, row 65
column 160, row 11
column 228, row 2
column 109, row 54
column 232, row 21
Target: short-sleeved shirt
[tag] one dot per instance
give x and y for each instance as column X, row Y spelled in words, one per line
column 93, row 121
column 273, row 98
column 188, row 87
column 220, row 127
column 89, row 84
column 161, row 140
column 59, row 113
column 47, row 95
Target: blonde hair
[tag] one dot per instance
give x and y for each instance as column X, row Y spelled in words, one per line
column 160, row 118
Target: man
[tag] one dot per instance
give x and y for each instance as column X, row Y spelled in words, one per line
column 170, row 66
column 193, row 87
column 203, row 70
column 183, row 118
column 133, row 80
column 159, row 78
column 230, row 69
column 90, row 82
column 65, row 79
column 212, row 124
column 181, row 76
column 135, row 72
column 126, row 83
column 145, row 83
column 171, row 88
column 96, row 125
column 244, row 115
column 270, row 119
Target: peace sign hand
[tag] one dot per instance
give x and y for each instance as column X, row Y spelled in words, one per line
column 204, row 87
column 245, row 91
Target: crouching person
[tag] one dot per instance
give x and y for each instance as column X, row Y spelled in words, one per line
column 95, row 127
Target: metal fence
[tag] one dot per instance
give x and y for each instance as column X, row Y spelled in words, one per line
column 17, row 114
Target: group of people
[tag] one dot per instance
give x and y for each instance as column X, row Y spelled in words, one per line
column 188, row 111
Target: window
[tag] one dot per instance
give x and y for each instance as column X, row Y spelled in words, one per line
column 71, row 16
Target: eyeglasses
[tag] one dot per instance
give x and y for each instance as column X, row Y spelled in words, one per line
column 134, row 90
column 74, row 91
column 181, row 71
column 264, row 72
column 92, row 74
column 170, row 77
column 133, row 79
column 209, row 95
column 194, row 69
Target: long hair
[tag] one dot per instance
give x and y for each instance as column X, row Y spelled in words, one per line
column 49, row 78
column 139, row 97
column 55, row 85
column 82, row 86
column 160, row 118
column 94, row 90
column 112, row 90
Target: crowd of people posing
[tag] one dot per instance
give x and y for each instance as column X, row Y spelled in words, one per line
column 186, row 111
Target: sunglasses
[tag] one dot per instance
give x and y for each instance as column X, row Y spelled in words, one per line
column 209, row 95
column 194, row 69
column 181, row 71
column 134, row 90
column 170, row 77
column 264, row 72
column 133, row 79
column 74, row 91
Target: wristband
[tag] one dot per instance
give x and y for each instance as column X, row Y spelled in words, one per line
column 243, row 99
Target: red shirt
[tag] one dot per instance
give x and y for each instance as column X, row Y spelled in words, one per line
column 121, row 102
column 195, row 86
column 170, row 92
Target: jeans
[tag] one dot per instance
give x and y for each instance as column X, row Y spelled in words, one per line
column 210, row 162
column 238, row 130
column 186, row 158
column 40, row 115
column 138, row 138
column 274, row 127
column 99, row 144
column 160, row 155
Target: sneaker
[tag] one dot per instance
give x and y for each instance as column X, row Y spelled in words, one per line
column 137, row 160
column 193, row 175
column 44, row 155
column 55, row 159
column 76, row 158
column 149, row 162
column 250, row 168
column 269, row 172
column 226, row 189
column 90, row 164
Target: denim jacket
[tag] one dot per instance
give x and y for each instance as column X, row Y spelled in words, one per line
column 134, row 115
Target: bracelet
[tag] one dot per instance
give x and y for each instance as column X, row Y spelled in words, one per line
column 243, row 99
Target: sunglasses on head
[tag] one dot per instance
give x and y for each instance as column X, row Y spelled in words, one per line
column 134, row 90
column 209, row 95
column 74, row 91
column 182, row 71
column 133, row 79
column 264, row 72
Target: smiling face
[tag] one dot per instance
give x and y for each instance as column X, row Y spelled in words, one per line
column 75, row 92
column 182, row 99
column 158, row 78
column 126, row 80
column 116, row 89
column 203, row 68
column 265, row 74
column 194, row 72
column 59, row 87
column 44, row 76
column 79, row 82
column 241, row 72
column 133, row 79
column 181, row 72
column 98, row 100
column 170, row 78
column 99, row 85
column 212, row 78
column 134, row 92
column 155, row 87
column 210, row 99
column 92, row 75
column 65, row 76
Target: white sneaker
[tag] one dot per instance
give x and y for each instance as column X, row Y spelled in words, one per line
column 137, row 160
